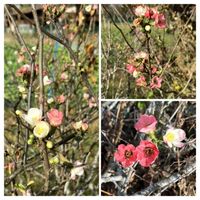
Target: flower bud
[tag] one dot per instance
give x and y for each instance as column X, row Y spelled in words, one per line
column 30, row 141
column 147, row 28
column 18, row 112
column 49, row 144
column 54, row 160
column 31, row 136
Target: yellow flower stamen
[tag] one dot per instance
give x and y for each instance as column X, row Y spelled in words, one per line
column 170, row 136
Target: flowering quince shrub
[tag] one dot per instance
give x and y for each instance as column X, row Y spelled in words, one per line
column 141, row 141
column 51, row 101
column 141, row 48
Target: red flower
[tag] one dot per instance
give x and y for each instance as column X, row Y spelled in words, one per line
column 151, row 13
column 126, row 155
column 147, row 152
column 146, row 124
column 55, row 117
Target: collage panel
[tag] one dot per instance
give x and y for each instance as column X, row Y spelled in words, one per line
column 144, row 130
column 51, row 117
column 148, row 148
column 148, row 51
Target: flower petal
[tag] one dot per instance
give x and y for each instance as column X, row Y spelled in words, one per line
column 178, row 144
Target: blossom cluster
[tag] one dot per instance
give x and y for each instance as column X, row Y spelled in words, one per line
column 147, row 152
column 149, row 16
column 40, row 127
column 144, row 75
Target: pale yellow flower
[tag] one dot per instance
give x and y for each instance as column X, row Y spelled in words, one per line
column 21, row 88
column 41, row 129
column 34, row 116
column 50, row 100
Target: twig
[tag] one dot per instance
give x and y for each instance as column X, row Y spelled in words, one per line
column 112, row 179
column 181, row 103
column 30, row 81
column 166, row 183
column 175, row 46
column 17, row 31
column 10, row 178
column 41, row 97
column 120, row 30
column 190, row 77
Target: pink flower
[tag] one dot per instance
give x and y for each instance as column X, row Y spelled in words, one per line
column 151, row 13
column 92, row 103
column 173, row 137
column 126, row 155
column 130, row 68
column 141, row 68
column 61, row 98
column 141, row 81
column 154, row 69
column 156, row 82
column 64, row 76
column 25, row 69
column 147, row 152
column 55, row 117
column 160, row 21
column 146, row 123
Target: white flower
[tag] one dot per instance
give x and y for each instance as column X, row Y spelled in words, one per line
column 46, row 80
column 140, row 11
column 34, row 116
column 41, row 129
column 173, row 137
column 77, row 170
